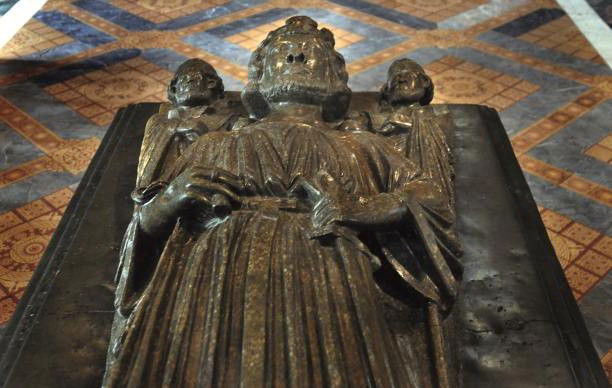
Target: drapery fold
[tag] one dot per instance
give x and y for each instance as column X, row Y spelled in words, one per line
column 253, row 299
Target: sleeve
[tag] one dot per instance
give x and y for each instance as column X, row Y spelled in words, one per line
column 131, row 257
column 163, row 144
column 423, row 251
column 154, row 149
column 427, row 147
column 139, row 253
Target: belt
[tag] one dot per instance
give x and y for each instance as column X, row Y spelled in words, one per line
column 274, row 203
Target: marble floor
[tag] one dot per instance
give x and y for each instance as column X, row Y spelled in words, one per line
column 603, row 9
column 5, row 5
column 65, row 73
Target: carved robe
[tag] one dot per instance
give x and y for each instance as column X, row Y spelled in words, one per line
column 418, row 133
column 169, row 132
column 254, row 299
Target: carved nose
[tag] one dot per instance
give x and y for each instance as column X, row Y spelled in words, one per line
column 300, row 58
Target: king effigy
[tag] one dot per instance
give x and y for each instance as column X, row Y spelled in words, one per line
column 264, row 245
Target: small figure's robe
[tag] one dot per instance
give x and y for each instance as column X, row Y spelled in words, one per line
column 253, row 299
column 420, row 134
column 169, row 133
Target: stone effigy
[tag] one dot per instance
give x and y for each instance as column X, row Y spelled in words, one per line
column 336, row 264
column 253, row 253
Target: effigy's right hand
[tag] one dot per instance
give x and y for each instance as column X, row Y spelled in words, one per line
column 194, row 191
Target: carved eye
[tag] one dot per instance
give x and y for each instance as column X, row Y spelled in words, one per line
column 289, row 58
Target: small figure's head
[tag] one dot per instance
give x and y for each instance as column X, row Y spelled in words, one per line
column 406, row 84
column 195, row 83
column 297, row 63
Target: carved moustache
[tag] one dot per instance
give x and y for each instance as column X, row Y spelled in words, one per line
column 305, row 88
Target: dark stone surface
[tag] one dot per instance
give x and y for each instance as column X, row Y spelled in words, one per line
column 521, row 325
column 592, row 304
column 519, row 322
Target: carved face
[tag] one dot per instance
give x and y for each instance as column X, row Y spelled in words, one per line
column 407, row 84
column 297, row 63
column 299, row 68
column 195, row 83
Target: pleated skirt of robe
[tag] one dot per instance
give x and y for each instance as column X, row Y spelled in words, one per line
column 255, row 302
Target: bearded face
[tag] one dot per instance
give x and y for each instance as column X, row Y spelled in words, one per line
column 300, row 68
column 407, row 86
column 195, row 86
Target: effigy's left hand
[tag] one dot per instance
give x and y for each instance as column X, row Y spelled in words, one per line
column 333, row 207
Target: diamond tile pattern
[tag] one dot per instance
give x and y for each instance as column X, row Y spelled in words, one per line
column 98, row 94
column 602, row 150
column 164, row 10
column 563, row 36
column 460, row 80
column 66, row 72
column 432, row 10
column 33, row 37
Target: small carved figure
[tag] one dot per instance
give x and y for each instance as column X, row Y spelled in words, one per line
column 417, row 130
column 252, row 261
column 196, row 107
column 413, row 124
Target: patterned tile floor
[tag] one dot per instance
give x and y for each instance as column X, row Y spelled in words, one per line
column 67, row 70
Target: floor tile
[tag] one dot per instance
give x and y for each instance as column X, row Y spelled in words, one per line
column 67, row 71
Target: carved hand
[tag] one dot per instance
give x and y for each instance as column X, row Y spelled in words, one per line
column 194, row 192
column 332, row 205
column 359, row 213
column 191, row 129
